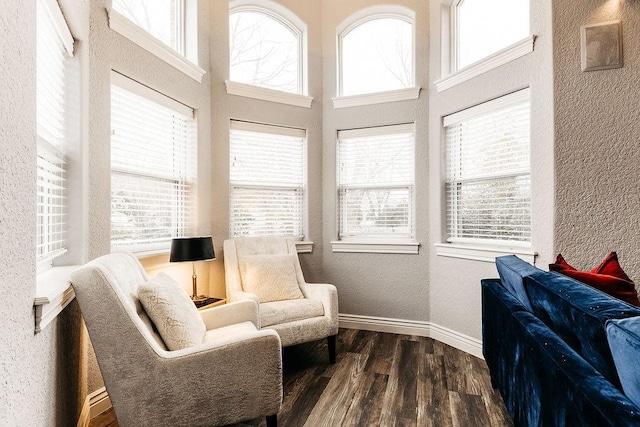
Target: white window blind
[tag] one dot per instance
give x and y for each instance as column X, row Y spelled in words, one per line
column 54, row 46
column 153, row 144
column 267, row 180
column 376, row 182
column 488, row 180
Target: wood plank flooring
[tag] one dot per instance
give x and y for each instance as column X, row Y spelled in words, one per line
column 382, row 379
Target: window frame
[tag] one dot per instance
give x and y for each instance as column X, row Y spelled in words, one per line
column 376, row 242
column 362, row 17
column 451, row 74
column 185, row 59
column 288, row 19
column 132, row 86
column 486, row 249
column 261, row 128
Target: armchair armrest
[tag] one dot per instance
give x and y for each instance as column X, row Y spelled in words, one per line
column 229, row 314
column 244, row 371
column 328, row 295
column 241, row 296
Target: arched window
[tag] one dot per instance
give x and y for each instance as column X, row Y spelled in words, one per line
column 376, row 54
column 267, row 47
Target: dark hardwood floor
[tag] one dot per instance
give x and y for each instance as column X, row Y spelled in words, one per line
column 382, row 379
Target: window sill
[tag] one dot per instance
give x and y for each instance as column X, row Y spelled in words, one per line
column 264, row 94
column 54, row 293
column 304, row 247
column 137, row 35
column 407, row 247
column 482, row 253
column 495, row 60
column 377, row 98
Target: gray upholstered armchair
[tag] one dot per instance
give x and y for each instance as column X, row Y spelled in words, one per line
column 235, row 374
column 255, row 263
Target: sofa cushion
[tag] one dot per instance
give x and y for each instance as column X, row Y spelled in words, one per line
column 278, row 312
column 172, row 312
column 578, row 313
column 607, row 277
column 624, row 340
column 512, row 271
column 270, row 277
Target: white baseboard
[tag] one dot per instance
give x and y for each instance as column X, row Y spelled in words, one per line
column 448, row 336
column 99, row 402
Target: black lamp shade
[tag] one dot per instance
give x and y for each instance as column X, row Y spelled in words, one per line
column 192, row 249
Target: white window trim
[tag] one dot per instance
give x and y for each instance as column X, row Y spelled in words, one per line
column 123, row 26
column 483, row 250
column 359, row 18
column 482, row 253
column 304, row 246
column 293, row 22
column 54, row 293
column 377, row 245
column 60, row 23
column 266, row 94
column 374, row 247
column 491, row 62
column 406, row 94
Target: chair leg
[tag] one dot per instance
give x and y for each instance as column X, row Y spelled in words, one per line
column 331, row 341
column 272, row 420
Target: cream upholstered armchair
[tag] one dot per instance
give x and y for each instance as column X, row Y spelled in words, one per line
column 267, row 270
column 233, row 374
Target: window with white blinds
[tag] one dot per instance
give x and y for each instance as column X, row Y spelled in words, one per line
column 267, row 180
column 153, row 144
column 376, row 182
column 488, row 179
column 54, row 46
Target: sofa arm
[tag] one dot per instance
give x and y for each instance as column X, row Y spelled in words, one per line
column 229, row 314
column 241, row 373
column 328, row 295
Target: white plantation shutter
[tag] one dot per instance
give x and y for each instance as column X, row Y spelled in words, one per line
column 488, row 182
column 267, row 180
column 376, row 182
column 54, row 46
column 153, row 145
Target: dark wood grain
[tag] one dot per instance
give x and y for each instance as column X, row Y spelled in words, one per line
column 381, row 379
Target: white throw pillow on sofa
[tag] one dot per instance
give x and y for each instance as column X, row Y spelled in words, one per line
column 271, row 277
column 172, row 312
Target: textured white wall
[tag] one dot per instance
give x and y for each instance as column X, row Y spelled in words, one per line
column 454, row 283
column 393, row 286
column 31, row 366
column 597, row 131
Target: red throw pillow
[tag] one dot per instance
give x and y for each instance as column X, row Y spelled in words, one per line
column 607, row 277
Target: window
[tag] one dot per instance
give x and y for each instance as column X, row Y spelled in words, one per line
column 267, row 180
column 376, row 54
column 54, row 46
column 163, row 19
column 153, row 143
column 488, row 180
column 267, row 49
column 376, row 183
column 483, row 27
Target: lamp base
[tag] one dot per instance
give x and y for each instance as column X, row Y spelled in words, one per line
column 198, row 298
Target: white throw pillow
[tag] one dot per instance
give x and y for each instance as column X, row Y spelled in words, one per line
column 271, row 277
column 172, row 312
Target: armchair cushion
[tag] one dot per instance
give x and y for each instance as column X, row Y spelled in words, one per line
column 273, row 313
column 270, row 277
column 172, row 312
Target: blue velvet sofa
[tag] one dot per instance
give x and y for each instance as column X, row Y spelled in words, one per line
column 560, row 352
